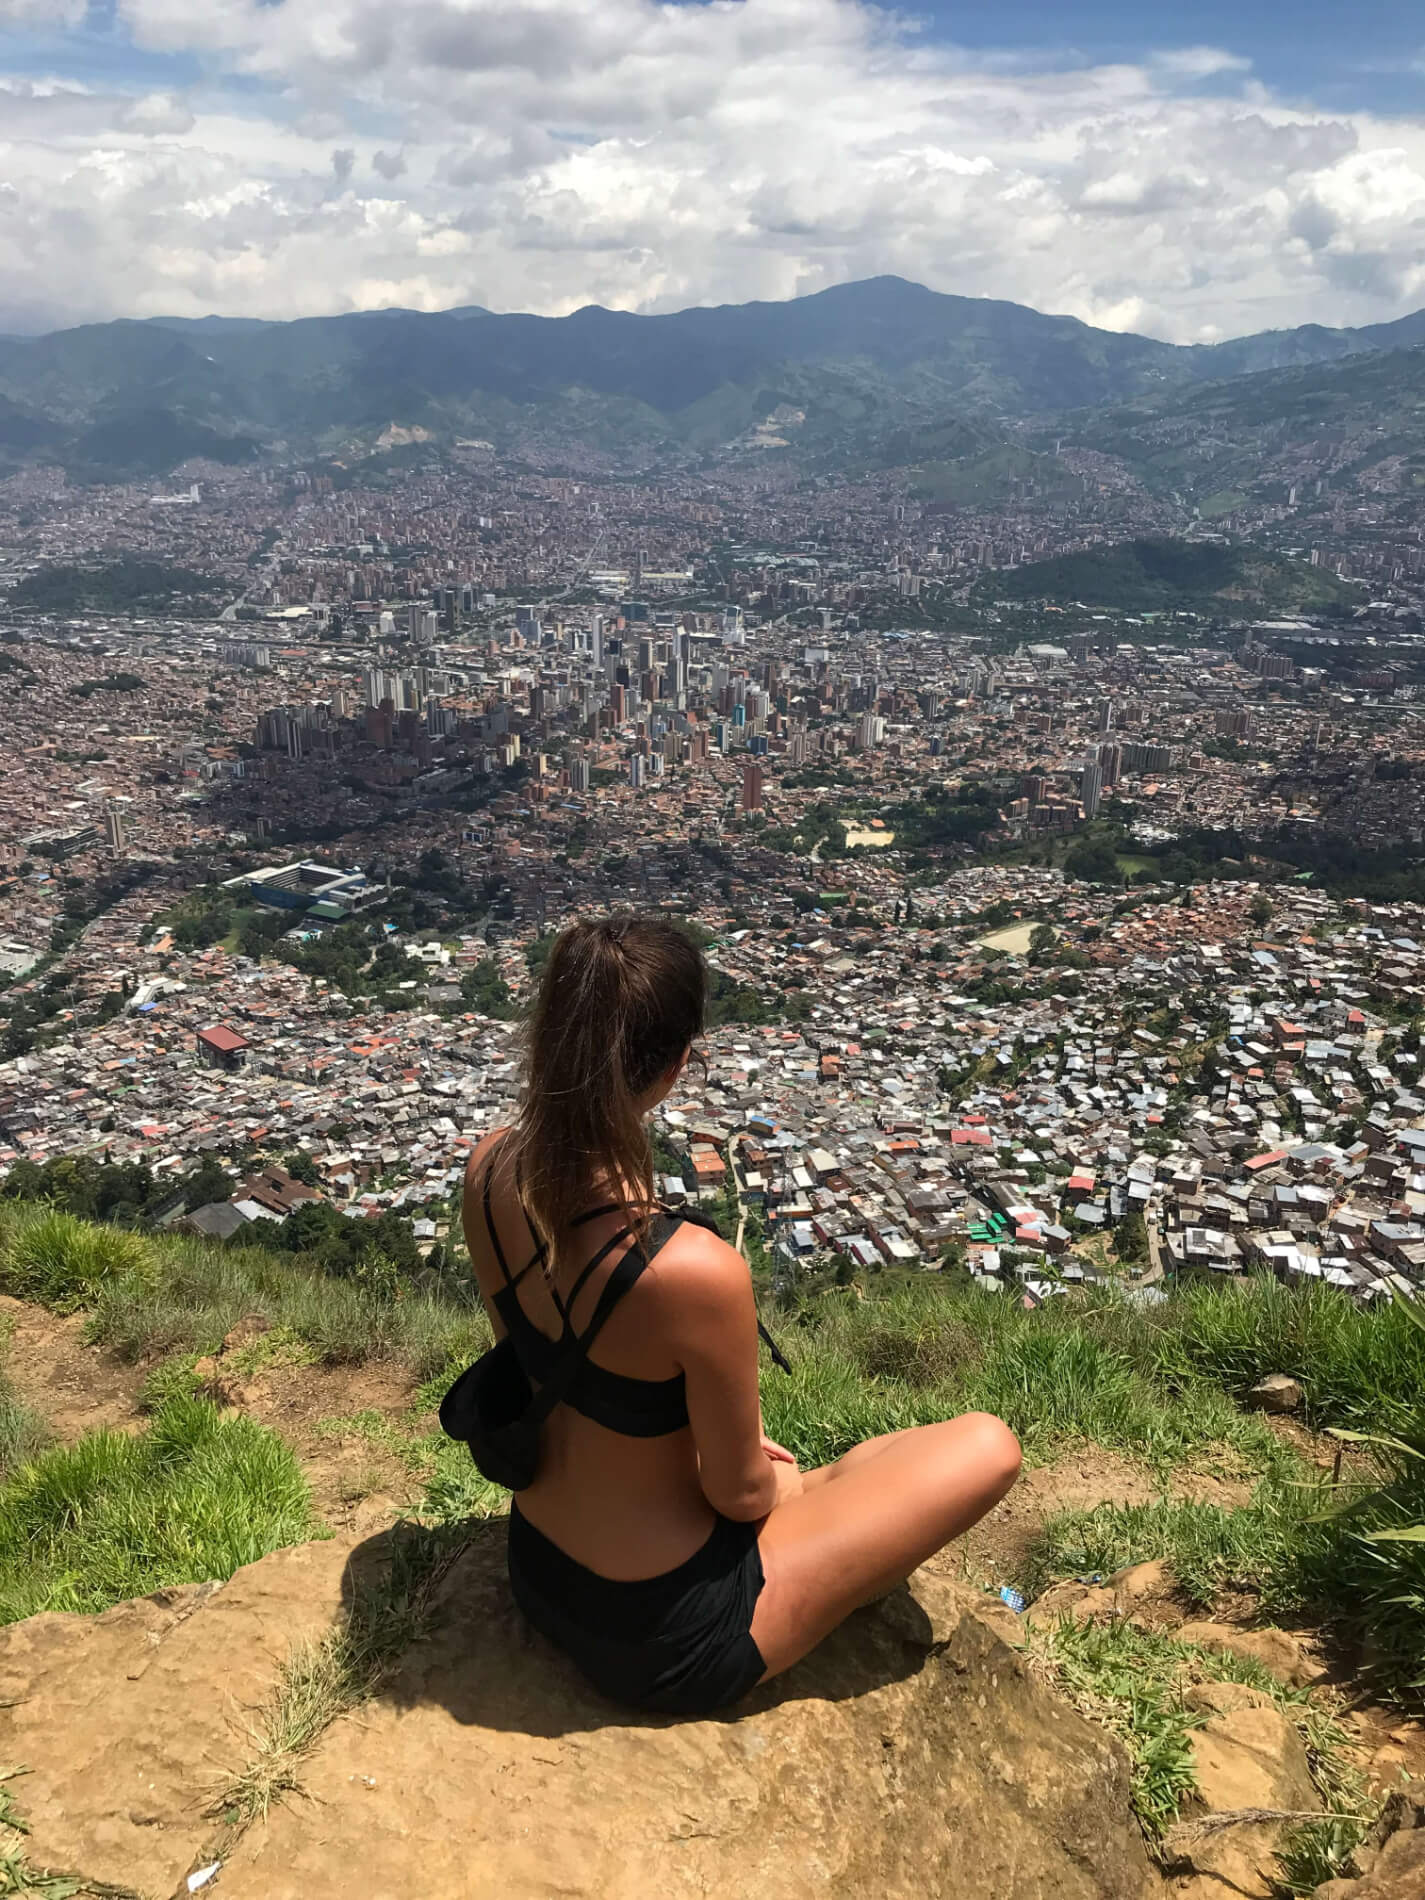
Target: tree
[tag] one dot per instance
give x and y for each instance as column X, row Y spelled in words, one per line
column 209, row 1182
column 1093, row 861
column 1131, row 1240
column 485, row 990
column 1260, row 909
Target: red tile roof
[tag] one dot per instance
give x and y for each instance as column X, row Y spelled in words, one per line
column 225, row 1041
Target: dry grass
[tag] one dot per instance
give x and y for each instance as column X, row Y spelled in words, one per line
column 322, row 1681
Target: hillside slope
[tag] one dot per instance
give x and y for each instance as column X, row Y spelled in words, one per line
column 1254, row 433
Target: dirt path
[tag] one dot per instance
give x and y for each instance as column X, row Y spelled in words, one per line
column 995, row 1551
column 359, row 1480
column 75, row 1388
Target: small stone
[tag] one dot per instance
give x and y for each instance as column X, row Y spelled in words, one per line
column 1085, row 1602
column 1276, row 1650
column 1137, row 1581
column 1223, row 1698
column 1278, row 1392
column 1252, row 1758
column 1246, row 1757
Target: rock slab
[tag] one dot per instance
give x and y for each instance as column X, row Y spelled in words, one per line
column 913, row 1756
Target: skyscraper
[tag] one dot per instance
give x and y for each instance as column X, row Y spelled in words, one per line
column 752, row 783
column 1091, row 788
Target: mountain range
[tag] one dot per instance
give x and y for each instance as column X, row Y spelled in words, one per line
column 857, row 373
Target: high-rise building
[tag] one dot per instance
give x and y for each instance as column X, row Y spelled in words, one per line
column 113, row 828
column 1091, row 788
column 752, row 785
column 578, row 773
column 1105, row 715
column 635, row 772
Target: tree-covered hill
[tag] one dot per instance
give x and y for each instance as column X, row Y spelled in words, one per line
column 1158, row 576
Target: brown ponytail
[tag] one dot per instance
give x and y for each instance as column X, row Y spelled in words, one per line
column 621, row 1001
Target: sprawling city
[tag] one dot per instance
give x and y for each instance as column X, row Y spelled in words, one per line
column 1052, row 942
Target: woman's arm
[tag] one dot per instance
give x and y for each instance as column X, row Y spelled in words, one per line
column 713, row 1323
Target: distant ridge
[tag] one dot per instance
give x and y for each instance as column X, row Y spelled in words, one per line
column 849, row 365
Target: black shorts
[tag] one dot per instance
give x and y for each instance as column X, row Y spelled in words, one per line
column 678, row 1644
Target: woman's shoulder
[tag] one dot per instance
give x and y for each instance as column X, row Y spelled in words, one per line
column 483, row 1153
column 696, row 1257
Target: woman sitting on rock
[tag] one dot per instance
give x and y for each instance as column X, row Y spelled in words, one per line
column 665, row 1543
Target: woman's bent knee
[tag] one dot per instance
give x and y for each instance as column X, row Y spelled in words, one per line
column 994, row 1449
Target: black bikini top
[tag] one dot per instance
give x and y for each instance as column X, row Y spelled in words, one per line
column 638, row 1408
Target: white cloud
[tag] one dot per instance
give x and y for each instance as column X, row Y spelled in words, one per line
column 544, row 154
column 1200, row 62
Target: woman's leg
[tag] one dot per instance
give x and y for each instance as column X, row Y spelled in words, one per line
column 857, row 1458
column 866, row 1522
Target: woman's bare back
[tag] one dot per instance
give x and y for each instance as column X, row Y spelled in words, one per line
column 625, row 1507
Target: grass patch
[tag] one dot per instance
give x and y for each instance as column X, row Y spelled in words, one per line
column 279, row 1346
column 1360, row 1369
column 157, row 1295
column 199, row 1294
column 1208, row 1547
column 23, row 1433
column 325, row 1680
column 195, row 1496
column 1133, row 1682
column 18, row 1878
column 453, row 1489
column 1078, row 1371
column 172, row 1378
column 1294, row 1546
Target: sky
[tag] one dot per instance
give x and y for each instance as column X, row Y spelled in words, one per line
column 1189, row 172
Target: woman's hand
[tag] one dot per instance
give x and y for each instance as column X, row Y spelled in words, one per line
column 784, row 1470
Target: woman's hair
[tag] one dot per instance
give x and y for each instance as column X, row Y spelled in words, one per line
column 621, row 1001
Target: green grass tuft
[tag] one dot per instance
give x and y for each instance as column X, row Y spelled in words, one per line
column 63, row 1262
column 196, row 1496
column 1132, row 1682
column 199, row 1293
